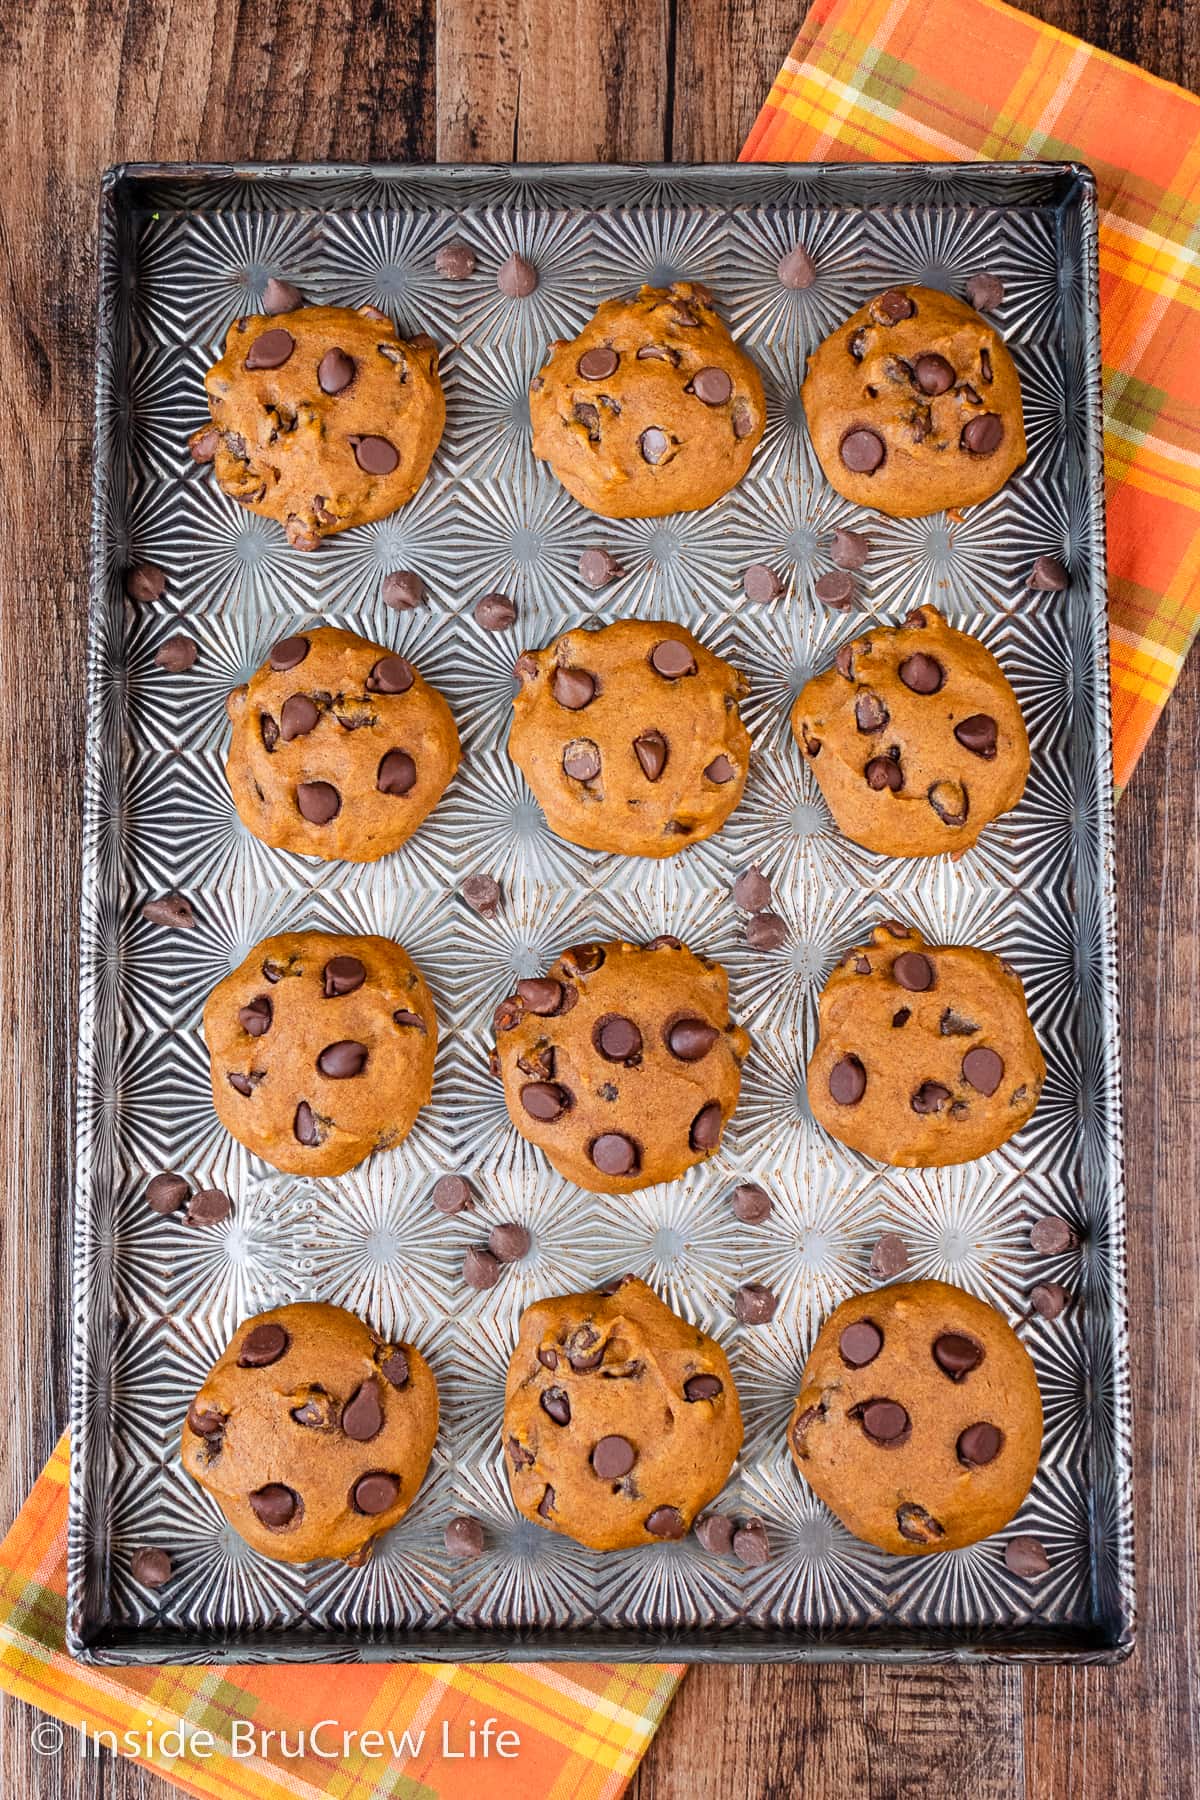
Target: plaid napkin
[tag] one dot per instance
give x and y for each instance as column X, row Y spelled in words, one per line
column 867, row 80
column 582, row 1726
column 968, row 80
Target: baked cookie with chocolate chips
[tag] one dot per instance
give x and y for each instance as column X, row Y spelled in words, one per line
column 321, row 1049
column 925, row 1054
column 919, row 1421
column 630, row 737
column 322, row 418
column 915, row 738
column 339, row 749
column 312, row 1433
column 621, row 1421
column 652, row 409
column 914, row 405
column 621, row 1062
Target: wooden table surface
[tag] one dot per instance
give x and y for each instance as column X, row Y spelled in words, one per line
column 82, row 86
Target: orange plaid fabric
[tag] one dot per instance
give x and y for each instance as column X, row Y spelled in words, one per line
column 967, row 80
column 582, row 1726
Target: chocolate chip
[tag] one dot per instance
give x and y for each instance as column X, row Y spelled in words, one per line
column 166, row 1193
column 408, row 1020
column 263, row 1346
column 151, row 1568
column 242, row 1084
column 281, row 296
column 862, row 451
column 714, row 1533
column 761, row 584
column 208, row 1206
column 712, row 386
column 362, row 1415
column 548, row 1357
column 1026, row 1557
column 860, row 1343
column 516, row 278
column 1049, row 1299
column 204, row 1421
column 751, row 1545
column 930, row 1097
column 983, row 434
column 615, row 1154
column 598, row 567
column 949, row 801
column 509, row 1242
column 546, row 1503
column 884, row 1421
column 654, row 444
column 766, row 931
column 397, row 774
column 177, row 654
column 581, row 760
column 847, row 1081
column 913, row 972
column 318, row 802
column 274, row 1505
column 720, row 770
column 555, row 1402
column 269, row 731
column 1048, row 576
column 305, row 1129
column 985, row 292
column 917, row 1525
column 1050, row 1236
column 891, row 307
column 145, row 582
column 843, row 662
column 849, row 549
column 922, row 674
column 651, row 751
column 754, row 1304
column 588, row 416
column 978, row 1445
column 598, row 363
column 341, row 1061
column 297, row 717
column 455, row 260
column 482, row 894
column 451, row 1194
column 933, row 374
column 271, row 350
column 706, row 1127
column 390, row 675
column 752, row 890
column 691, row 1039
column 376, row 1492
column 613, row 1457
column 956, row 1355
column 374, row 455
column 870, row 712
column 544, row 1100
column 342, row 975
column 982, row 1069
column 666, row 1522
column 664, row 941
column 335, row 372
column 702, row 1387
column 889, row 1257
column 751, row 1203
column 495, row 612
column 617, row 1038
column 978, row 735
column 463, row 1537
column 796, row 269
column 402, row 590
column 541, row 994
column 836, row 589
column 480, row 1269
column 204, row 445
column 394, row 1368
column 288, row 653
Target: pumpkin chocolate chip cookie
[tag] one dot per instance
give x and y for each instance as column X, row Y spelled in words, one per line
column 312, row 1433
column 915, row 737
column 652, row 409
column 339, row 749
column 919, row 1421
column 621, row 1063
column 925, row 1054
column 321, row 1049
column 914, row 405
column 621, row 1421
column 322, row 418
column 630, row 737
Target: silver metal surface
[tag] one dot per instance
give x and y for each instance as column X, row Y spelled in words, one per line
column 184, row 251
